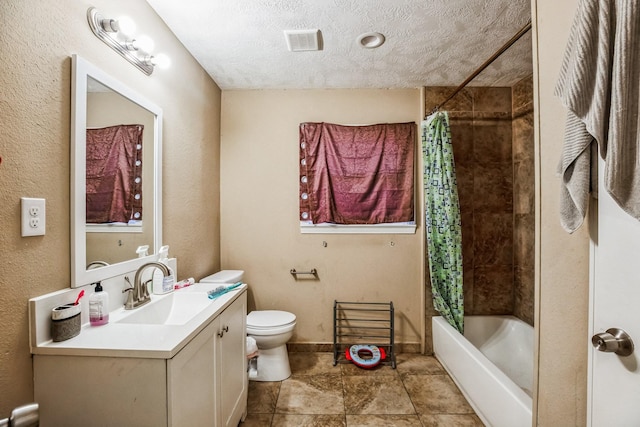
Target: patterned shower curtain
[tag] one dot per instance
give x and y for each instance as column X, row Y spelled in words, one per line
column 442, row 219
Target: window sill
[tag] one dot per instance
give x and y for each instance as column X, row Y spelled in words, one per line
column 395, row 228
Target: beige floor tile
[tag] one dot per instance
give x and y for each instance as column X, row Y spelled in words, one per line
column 262, row 397
column 418, row 364
column 382, row 395
column 446, row 420
column 312, row 394
column 435, row 394
column 380, row 370
column 312, row 364
column 257, row 420
column 281, row 420
column 383, row 420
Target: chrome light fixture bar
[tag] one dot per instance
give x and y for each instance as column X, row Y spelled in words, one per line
column 107, row 30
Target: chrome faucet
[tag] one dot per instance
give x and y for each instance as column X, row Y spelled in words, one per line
column 139, row 292
column 96, row 264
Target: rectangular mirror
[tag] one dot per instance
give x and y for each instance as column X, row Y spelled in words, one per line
column 116, row 177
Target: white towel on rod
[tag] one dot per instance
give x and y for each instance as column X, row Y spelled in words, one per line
column 599, row 84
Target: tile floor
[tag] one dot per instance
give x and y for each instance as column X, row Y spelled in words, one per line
column 418, row 392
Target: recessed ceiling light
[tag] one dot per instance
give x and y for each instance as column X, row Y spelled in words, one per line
column 371, row 40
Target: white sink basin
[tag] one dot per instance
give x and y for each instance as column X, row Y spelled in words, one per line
column 177, row 308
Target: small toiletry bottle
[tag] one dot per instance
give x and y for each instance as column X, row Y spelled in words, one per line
column 162, row 284
column 99, row 306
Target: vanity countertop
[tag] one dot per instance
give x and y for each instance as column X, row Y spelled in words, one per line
column 135, row 340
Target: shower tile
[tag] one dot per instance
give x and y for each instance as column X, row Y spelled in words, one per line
column 281, row 420
column 492, row 144
column 383, row 420
column 493, row 188
column 524, row 294
column 493, row 239
column 262, row 397
column 524, row 240
column 523, row 143
column 436, row 394
column 468, row 289
column 257, row 420
column 523, row 187
column 484, row 118
column 462, row 140
column 451, row 421
column 418, row 364
column 464, row 180
column 312, row 364
column 522, row 94
column 434, row 95
column 491, row 99
column 376, row 395
column 493, row 291
column 311, row 394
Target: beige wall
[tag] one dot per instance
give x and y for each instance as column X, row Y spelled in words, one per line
column 259, row 212
column 562, row 260
column 37, row 39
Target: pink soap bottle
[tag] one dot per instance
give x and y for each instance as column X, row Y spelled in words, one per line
column 98, row 306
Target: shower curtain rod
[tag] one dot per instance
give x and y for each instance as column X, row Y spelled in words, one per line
column 488, row 62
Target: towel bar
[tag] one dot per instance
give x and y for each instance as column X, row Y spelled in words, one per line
column 313, row 271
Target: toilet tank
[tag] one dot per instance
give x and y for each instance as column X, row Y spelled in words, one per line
column 224, row 276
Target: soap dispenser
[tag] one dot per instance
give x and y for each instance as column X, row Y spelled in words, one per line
column 98, row 306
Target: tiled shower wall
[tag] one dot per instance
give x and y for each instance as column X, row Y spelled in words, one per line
column 523, row 200
column 493, row 149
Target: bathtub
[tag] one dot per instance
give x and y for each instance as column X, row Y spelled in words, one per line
column 492, row 364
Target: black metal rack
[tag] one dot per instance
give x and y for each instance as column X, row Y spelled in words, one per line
column 366, row 323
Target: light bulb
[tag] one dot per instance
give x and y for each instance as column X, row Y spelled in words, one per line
column 161, row 60
column 144, row 43
column 126, row 25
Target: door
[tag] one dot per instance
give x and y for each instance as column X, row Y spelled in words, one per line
column 614, row 380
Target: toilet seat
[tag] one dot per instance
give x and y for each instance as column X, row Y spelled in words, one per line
column 270, row 322
column 266, row 319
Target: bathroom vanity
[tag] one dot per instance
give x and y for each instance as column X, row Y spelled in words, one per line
column 180, row 362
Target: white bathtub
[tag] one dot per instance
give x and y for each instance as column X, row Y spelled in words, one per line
column 492, row 365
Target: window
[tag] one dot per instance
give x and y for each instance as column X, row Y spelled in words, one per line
column 357, row 175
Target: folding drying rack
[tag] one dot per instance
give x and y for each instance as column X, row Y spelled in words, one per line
column 364, row 323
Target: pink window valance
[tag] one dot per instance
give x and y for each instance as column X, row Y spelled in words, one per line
column 114, row 174
column 357, row 174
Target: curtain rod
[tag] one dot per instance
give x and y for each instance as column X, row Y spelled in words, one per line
column 488, row 62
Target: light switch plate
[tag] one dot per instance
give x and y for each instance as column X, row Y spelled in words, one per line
column 33, row 216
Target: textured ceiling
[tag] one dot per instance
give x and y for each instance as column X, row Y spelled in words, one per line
column 428, row 42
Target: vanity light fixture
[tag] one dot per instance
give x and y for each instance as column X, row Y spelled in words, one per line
column 118, row 34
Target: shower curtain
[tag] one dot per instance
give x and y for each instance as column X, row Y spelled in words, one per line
column 442, row 219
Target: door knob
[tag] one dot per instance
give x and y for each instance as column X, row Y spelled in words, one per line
column 613, row 341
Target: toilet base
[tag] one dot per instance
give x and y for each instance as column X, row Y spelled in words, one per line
column 273, row 365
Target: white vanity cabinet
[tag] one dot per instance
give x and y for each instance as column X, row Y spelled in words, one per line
column 212, row 354
column 204, row 384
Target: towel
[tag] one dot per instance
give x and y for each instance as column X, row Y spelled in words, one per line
column 599, row 84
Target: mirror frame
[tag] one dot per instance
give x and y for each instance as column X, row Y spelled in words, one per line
column 81, row 70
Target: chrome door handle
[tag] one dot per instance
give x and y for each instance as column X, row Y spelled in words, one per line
column 613, row 341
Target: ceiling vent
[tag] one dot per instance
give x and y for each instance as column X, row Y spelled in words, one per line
column 303, row 40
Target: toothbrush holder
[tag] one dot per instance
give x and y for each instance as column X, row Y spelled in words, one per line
column 65, row 322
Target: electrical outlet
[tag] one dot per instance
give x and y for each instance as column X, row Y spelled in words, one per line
column 33, row 216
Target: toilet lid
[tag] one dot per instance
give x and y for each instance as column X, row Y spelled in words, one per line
column 269, row 318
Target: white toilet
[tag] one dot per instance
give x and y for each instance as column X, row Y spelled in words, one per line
column 270, row 328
